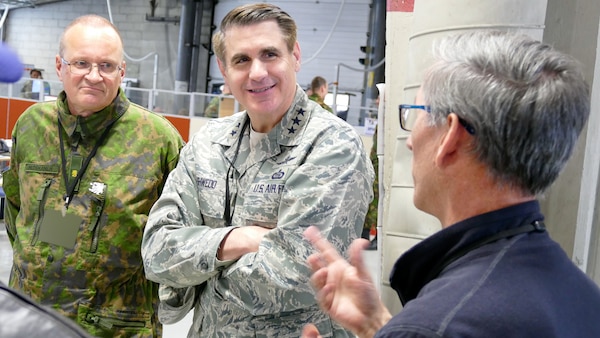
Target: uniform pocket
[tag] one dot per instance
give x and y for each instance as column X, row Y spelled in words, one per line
column 262, row 202
column 103, row 322
column 211, row 200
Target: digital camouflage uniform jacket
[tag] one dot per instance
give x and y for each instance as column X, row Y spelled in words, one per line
column 310, row 169
column 99, row 281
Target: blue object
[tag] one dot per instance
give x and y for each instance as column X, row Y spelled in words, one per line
column 11, row 67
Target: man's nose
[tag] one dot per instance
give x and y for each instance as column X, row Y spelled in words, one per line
column 258, row 70
column 94, row 73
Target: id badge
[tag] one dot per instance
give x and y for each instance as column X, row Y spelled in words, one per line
column 58, row 230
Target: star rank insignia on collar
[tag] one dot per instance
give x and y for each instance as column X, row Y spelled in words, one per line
column 235, row 129
column 296, row 120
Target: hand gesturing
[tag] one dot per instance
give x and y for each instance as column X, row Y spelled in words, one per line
column 345, row 289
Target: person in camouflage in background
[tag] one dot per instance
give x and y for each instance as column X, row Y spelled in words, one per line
column 318, row 90
column 84, row 172
column 226, row 234
column 370, row 225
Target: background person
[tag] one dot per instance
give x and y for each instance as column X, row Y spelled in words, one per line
column 212, row 110
column 494, row 123
column 318, row 90
column 31, row 88
column 84, row 173
column 226, row 234
column 370, row 226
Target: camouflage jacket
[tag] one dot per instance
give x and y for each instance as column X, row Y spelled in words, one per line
column 212, row 109
column 310, row 169
column 87, row 262
column 319, row 100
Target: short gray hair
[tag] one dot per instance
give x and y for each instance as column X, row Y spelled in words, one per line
column 526, row 101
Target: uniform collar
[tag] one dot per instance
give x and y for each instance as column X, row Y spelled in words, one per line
column 288, row 131
column 94, row 124
column 411, row 270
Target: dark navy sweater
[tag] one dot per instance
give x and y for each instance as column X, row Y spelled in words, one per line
column 521, row 285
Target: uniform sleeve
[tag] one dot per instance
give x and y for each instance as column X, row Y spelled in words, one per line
column 331, row 189
column 178, row 250
column 10, row 184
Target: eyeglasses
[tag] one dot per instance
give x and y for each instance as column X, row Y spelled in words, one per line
column 408, row 117
column 82, row 67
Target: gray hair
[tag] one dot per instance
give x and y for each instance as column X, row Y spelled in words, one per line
column 526, row 101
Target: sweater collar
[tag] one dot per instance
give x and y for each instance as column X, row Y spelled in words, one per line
column 410, row 271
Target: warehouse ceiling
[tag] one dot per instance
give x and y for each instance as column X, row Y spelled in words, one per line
column 12, row 4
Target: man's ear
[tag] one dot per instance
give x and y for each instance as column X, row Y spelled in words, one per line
column 58, row 66
column 451, row 141
column 221, row 68
column 298, row 56
column 123, row 69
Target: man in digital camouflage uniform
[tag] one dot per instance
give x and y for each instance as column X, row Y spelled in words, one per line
column 84, row 173
column 226, row 234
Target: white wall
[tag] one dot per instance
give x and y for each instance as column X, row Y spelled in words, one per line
column 35, row 32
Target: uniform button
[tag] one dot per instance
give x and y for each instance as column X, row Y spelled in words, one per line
column 204, row 266
column 50, row 258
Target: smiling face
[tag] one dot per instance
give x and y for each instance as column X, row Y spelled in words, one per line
column 261, row 71
column 87, row 94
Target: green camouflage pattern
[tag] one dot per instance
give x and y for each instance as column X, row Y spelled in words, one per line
column 371, row 217
column 212, row 109
column 310, row 169
column 100, row 282
column 319, row 100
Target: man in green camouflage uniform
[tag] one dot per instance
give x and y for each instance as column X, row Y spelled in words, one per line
column 84, row 172
column 318, row 88
column 226, row 234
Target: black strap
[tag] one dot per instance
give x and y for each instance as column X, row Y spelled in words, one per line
column 228, row 212
column 72, row 184
column 536, row 226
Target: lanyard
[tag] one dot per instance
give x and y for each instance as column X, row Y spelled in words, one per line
column 228, row 213
column 77, row 169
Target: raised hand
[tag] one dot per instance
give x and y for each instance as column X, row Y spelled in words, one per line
column 345, row 289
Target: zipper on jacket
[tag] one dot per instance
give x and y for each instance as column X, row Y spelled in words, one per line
column 41, row 199
column 95, row 223
column 109, row 323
